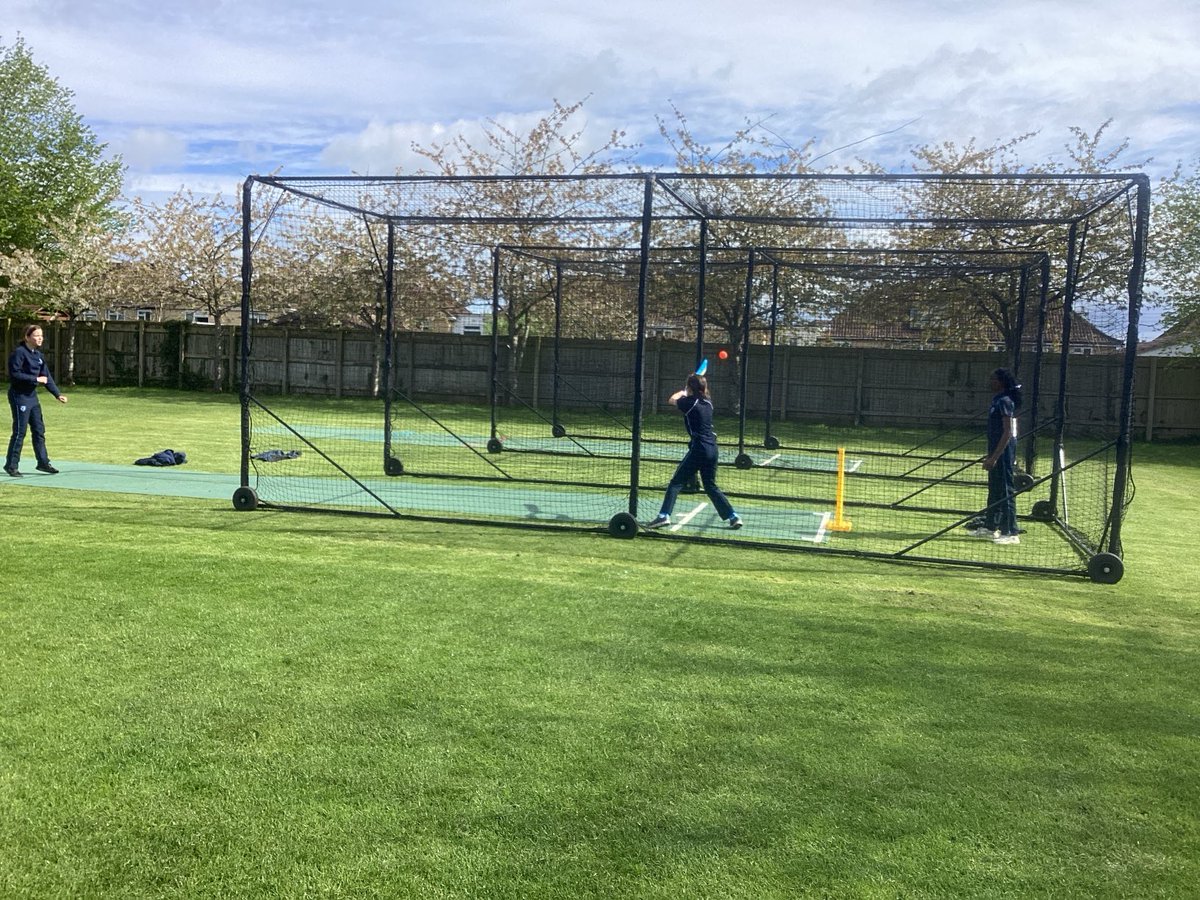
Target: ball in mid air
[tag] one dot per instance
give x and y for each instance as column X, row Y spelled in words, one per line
column 724, row 354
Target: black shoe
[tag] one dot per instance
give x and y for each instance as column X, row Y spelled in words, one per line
column 47, row 468
column 12, row 473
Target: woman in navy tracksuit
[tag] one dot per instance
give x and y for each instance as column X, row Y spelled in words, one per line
column 701, row 456
column 26, row 370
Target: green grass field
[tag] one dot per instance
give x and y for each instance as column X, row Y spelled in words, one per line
column 199, row 702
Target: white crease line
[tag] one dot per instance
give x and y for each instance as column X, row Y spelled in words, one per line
column 688, row 517
column 768, row 461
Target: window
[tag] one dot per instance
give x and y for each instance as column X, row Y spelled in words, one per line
column 115, row 315
column 145, row 314
column 199, row 318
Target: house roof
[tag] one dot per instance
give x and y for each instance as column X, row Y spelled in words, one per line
column 1180, row 339
column 851, row 327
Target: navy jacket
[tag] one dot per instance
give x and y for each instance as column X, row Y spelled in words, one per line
column 25, row 366
column 698, row 419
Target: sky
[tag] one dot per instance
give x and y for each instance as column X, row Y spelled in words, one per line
column 199, row 95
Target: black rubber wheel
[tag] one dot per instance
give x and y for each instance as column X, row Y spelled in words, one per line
column 743, row 461
column 771, row 442
column 623, row 525
column 244, row 499
column 1105, row 568
column 393, row 466
column 558, row 430
column 1022, row 481
column 494, row 445
column 1043, row 511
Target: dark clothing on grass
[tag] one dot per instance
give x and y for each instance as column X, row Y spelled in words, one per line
column 163, row 458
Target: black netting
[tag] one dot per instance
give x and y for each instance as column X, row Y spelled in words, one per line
column 807, row 295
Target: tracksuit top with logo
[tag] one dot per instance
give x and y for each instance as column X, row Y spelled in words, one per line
column 25, row 366
column 698, row 419
column 1002, row 407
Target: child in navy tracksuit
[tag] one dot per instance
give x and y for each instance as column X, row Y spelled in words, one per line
column 1000, row 521
column 26, row 370
column 701, row 456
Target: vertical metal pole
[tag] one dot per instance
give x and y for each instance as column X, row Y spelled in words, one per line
column 1137, row 273
column 494, row 362
column 389, row 340
column 1022, row 297
column 1039, row 350
column 1060, row 409
column 247, row 274
column 744, row 355
column 701, row 290
column 771, row 351
column 639, row 361
column 557, row 337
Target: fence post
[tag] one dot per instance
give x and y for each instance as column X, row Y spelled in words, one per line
column 231, row 369
column 58, row 347
column 656, row 373
column 1151, row 387
column 339, row 361
column 858, row 389
column 102, row 363
column 182, row 361
column 537, row 367
column 286, row 361
column 141, row 352
column 412, row 364
column 783, row 385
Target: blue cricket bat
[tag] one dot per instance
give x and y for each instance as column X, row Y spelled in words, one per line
column 703, row 367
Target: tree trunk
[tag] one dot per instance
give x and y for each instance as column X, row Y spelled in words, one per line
column 377, row 362
column 70, row 379
column 735, row 356
column 517, row 340
column 219, row 367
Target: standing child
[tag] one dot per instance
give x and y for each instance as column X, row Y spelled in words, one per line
column 27, row 370
column 1000, row 520
column 701, row 456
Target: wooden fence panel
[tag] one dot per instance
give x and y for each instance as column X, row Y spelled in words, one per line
column 833, row 384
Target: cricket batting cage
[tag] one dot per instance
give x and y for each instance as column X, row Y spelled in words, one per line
column 506, row 348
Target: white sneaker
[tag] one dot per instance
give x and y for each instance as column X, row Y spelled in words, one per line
column 1006, row 539
column 659, row 521
column 735, row 522
column 983, row 532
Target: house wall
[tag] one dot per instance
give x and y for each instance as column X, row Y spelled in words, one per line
column 864, row 386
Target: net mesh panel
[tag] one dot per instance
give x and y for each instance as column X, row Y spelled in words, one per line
column 876, row 267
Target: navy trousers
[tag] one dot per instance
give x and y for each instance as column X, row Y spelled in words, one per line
column 702, row 459
column 26, row 416
column 1002, row 499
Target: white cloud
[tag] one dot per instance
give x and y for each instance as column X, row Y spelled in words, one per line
column 150, row 148
column 158, row 186
column 312, row 86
